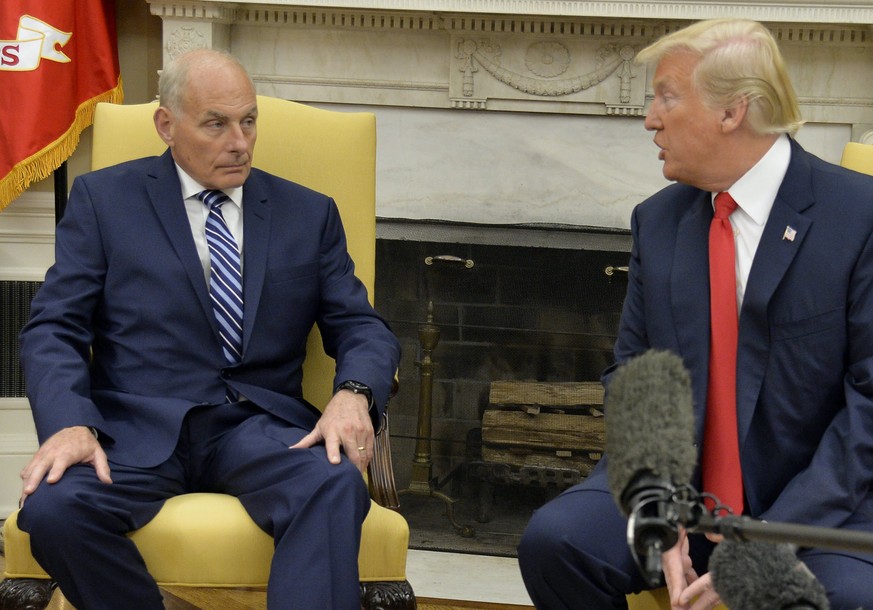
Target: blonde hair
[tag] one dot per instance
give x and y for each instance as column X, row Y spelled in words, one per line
column 739, row 59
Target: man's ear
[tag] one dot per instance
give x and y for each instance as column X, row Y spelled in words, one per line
column 164, row 124
column 733, row 116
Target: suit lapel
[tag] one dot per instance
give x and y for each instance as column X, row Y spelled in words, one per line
column 256, row 227
column 782, row 239
column 690, row 278
column 165, row 194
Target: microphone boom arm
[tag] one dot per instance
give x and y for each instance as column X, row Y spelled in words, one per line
column 689, row 510
column 742, row 528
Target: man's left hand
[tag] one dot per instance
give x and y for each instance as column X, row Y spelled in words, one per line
column 345, row 424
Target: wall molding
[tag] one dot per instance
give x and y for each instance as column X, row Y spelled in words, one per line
column 27, row 237
column 29, row 219
column 14, row 404
column 16, row 449
column 18, row 444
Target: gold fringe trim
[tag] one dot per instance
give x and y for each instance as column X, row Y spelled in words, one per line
column 41, row 164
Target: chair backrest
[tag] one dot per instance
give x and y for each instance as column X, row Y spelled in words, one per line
column 331, row 152
column 858, row 157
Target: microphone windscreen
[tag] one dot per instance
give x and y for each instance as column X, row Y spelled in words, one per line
column 649, row 423
column 764, row 576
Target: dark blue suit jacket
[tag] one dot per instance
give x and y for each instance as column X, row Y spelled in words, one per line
column 805, row 360
column 128, row 285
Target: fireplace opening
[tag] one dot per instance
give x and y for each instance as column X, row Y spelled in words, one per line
column 487, row 317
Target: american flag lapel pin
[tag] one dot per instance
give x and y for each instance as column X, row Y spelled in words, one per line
column 790, row 233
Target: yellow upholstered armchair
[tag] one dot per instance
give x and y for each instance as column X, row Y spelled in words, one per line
column 208, row 540
column 858, row 157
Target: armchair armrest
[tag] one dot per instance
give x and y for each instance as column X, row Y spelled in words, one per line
column 380, row 472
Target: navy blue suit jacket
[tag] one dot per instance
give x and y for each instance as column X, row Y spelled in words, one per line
column 805, row 360
column 128, row 286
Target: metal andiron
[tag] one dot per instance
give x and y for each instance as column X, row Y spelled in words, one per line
column 422, row 481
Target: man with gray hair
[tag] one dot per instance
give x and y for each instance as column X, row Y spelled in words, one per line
column 756, row 268
column 164, row 356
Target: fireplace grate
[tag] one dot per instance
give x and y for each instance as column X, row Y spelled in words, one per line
column 15, row 298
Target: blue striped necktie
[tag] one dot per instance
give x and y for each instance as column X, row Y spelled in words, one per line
column 225, row 279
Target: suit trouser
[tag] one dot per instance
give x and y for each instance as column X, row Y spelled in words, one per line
column 573, row 556
column 313, row 509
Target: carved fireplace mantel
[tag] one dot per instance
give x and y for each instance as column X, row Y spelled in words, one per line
column 566, row 56
column 520, row 111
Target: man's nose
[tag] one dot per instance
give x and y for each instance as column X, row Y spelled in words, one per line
column 236, row 139
column 652, row 122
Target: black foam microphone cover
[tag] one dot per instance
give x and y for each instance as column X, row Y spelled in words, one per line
column 764, row 576
column 649, row 425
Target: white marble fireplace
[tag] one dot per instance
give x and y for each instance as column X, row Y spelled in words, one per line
column 517, row 111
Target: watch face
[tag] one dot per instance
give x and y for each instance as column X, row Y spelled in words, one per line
column 355, row 387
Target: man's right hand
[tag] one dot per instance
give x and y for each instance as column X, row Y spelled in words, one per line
column 687, row 590
column 75, row 445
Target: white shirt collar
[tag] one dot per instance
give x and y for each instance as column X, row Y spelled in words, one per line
column 191, row 187
column 756, row 191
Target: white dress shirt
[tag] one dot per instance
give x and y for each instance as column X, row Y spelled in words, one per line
column 198, row 212
column 755, row 193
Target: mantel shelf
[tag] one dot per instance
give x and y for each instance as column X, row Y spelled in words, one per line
column 799, row 11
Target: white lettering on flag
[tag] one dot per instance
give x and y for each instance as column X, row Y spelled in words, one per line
column 36, row 40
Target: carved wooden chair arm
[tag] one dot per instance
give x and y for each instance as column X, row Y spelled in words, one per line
column 380, row 472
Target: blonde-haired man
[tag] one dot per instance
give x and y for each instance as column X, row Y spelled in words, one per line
column 723, row 115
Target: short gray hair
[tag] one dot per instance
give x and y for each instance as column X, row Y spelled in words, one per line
column 174, row 76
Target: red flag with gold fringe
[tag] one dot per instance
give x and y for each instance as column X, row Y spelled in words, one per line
column 58, row 58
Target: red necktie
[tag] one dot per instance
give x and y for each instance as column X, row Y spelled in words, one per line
column 722, row 475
